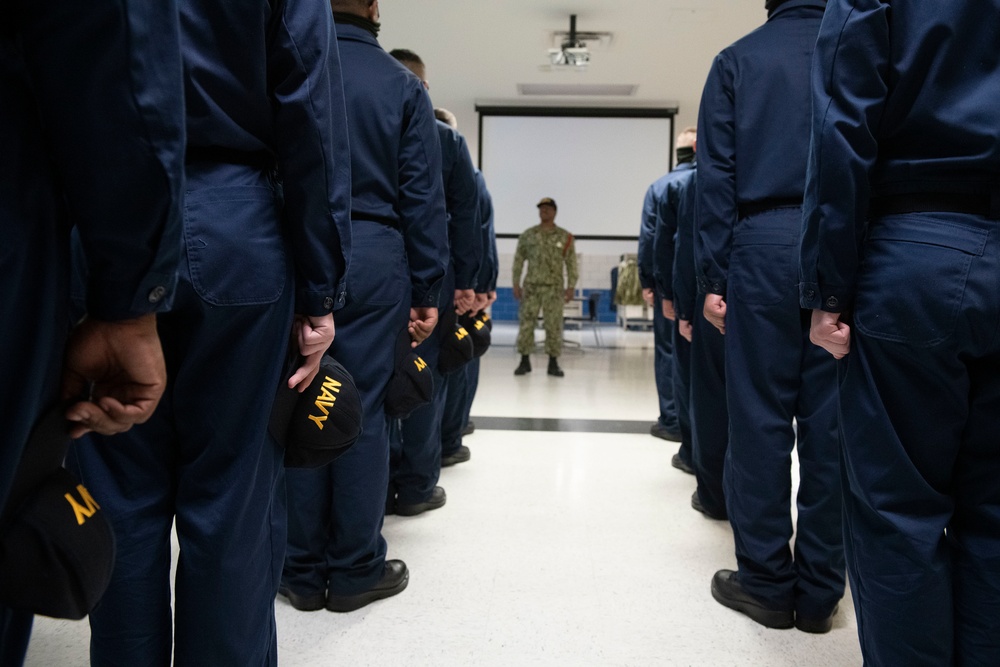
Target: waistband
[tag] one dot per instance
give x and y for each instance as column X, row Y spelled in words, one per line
column 755, row 207
column 262, row 160
column 983, row 204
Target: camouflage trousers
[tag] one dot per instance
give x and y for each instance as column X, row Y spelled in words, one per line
column 548, row 299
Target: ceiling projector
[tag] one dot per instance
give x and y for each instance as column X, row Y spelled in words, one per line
column 570, row 56
column 573, row 51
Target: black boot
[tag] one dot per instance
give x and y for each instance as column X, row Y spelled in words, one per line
column 525, row 366
column 554, row 368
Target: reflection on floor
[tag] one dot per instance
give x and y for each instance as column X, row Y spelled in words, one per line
column 555, row 548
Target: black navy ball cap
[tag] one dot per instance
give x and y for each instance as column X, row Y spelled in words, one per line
column 479, row 333
column 412, row 383
column 58, row 556
column 456, row 344
column 318, row 425
column 57, row 549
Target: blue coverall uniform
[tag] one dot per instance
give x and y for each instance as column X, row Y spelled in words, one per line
column 902, row 236
column 417, row 464
column 463, row 383
column 663, row 361
column 660, row 252
column 666, row 247
column 705, row 357
column 110, row 164
column 753, row 140
column 399, row 256
column 266, row 230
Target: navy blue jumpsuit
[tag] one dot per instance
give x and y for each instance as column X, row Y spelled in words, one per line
column 110, row 164
column 663, row 360
column 398, row 260
column 902, row 236
column 704, row 356
column 487, row 283
column 462, row 384
column 753, row 141
column 666, row 257
column 266, row 231
column 419, row 459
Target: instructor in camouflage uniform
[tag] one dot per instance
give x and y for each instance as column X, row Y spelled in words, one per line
column 546, row 248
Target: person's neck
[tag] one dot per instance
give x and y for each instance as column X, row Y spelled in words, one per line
column 547, row 224
column 356, row 19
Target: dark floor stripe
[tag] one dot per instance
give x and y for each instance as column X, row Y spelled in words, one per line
column 565, row 425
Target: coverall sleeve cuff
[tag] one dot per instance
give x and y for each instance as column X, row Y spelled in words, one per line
column 832, row 300
column 317, row 304
column 425, row 298
column 113, row 301
column 711, row 285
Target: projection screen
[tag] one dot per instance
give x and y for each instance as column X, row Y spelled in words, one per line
column 597, row 167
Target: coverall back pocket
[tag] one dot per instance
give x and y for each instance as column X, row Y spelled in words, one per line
column 913, row 278
column 763, row 268
column 379, row 275
column 235, row 250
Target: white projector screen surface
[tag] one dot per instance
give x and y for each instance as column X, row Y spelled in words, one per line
column 597, row 170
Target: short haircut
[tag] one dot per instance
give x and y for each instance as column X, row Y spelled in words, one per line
column 687, row 137
column 406, row 56
column 446, row 117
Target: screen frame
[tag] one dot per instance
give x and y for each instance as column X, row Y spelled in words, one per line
column 668, row 112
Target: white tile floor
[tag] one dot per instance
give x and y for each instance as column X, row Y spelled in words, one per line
column 572, row 549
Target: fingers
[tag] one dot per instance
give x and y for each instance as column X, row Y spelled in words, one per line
column 108, row 418
column 482, row 300
column 306, row 373
column 422, row 323
column 717, row 320
column 311, row 342
column 715, row 311
column 464, row 300
column 419, row 331
column 314, row 334
column 668, row 309
column 828, row 332
column 115, row 413
column 836, row 342
column 115, row 373
column 685, row 329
